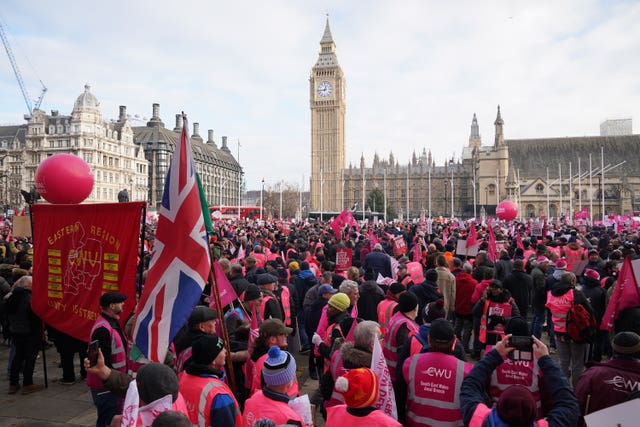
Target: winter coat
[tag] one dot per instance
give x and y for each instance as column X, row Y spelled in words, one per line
column 465, row 286
column 519, row 284
column 596, row 296
column 370, row 296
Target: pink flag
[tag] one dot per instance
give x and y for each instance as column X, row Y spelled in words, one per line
column 625, row 295
column 445, row 235
column 373, row 240
column 472, row 237
column 225, row 290
column 386, row 398
column 417, row 252
column 337, row 223
column 581, row 214
column 519, row 243
column 492, row 249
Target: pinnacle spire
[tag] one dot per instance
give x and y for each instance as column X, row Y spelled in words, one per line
column 327, row 37
column 499, row 120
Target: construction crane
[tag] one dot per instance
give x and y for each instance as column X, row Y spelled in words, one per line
column 16, row 71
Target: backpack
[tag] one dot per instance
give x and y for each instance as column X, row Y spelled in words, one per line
column 581, row 325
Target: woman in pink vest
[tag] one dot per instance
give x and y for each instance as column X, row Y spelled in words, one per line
column 272, row 402
column 359, row 388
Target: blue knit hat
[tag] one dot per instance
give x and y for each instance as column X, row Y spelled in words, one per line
column 279, row 367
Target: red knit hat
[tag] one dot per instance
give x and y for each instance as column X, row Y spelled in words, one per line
column 517, row 406
column 359, row 387
column 591, row 274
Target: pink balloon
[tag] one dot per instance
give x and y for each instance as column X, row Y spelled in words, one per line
column 64, row 179
column 507, row 210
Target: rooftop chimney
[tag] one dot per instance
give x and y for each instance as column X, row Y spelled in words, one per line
column 178, row 127
column 123, row 113
column 155, row 119
column 196, row 130
column 210, row 139
column 224, row 144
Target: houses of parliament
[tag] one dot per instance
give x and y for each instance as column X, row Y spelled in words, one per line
column 546, row 177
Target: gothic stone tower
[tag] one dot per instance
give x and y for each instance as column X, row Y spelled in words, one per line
column 327, row 102
column 492, row 167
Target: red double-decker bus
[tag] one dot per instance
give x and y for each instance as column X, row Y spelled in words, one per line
column 231, row 212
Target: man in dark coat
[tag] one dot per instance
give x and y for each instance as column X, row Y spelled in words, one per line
column 426, row 291
column 378, row 261
column 519, row 284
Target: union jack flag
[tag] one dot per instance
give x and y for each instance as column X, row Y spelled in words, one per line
column 180, row 261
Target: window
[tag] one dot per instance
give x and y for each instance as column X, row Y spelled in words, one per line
column 539, row 188
column 531, row 211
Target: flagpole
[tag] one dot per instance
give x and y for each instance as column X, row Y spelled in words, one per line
column 42, row 325
column 261, row 201
column 342, row 193
column 300, row 195
column 452, row 215
column 239, row 182
column 429, row 191
column 280, row 213
column 590, row 191
column 407, row 200
column 385, row 194
column 473, row 182
column 602, row 186
column 570, row 193
column 548, row 207
column 223, row 325
column 321, row 193
column 579, row 185
column 363, row 197
column 560, row 194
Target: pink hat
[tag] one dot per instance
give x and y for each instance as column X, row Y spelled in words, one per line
column 591, row 274
column 542, row 259
column 561, row 264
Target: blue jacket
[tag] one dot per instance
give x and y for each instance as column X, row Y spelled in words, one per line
column 564, row 412
column 379, row 262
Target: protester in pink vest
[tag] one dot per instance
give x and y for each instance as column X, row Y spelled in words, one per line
column 516, row 406
column 401, row 327
column 209, row 400
column 272, row 332
column 359, row 388
column 272, row 402
column 111, row 340
column 434, row 380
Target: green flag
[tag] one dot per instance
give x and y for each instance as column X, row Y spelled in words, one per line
column 205, row 206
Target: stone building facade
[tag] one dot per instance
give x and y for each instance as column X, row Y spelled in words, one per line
column 548, row 177
column 121, row 156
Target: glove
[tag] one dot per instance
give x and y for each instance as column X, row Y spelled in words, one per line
column 316, row 340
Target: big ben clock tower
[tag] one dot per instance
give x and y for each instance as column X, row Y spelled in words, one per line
column 327, row 93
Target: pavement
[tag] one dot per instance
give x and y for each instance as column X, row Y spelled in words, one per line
column 71, row 405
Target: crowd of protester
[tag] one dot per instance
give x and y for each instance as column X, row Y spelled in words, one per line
column 471, row 335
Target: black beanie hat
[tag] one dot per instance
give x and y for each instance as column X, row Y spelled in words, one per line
column 206, row 348
column 155, row 381
column 407, row 301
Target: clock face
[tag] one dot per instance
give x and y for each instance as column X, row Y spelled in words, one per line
column 324, row 89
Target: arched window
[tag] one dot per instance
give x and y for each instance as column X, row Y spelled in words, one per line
column 553, row 211
column 531, row 211
column 539, row 188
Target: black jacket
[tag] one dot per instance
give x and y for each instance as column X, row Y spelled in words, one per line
column 519, row 284
column 370, row 296
column 22, row 320
column 563, row 413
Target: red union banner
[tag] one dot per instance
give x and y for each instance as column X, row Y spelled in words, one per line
column 81, row 252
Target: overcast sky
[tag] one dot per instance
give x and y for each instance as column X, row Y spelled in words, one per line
column 416, row 71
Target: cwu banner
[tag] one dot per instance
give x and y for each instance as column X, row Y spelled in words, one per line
column 79, row 253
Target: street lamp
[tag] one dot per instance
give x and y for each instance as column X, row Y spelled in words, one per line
column 280, row 215
column 261, row 201
column 224, row 182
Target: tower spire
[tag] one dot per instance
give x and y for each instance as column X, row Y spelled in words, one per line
column 474, row 137
column 327, row 37
column 499, row 123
